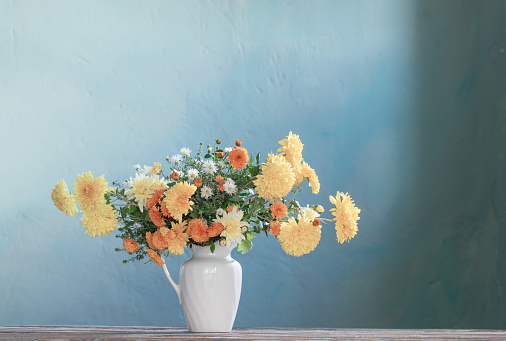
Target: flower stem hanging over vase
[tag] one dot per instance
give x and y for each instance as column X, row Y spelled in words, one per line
column 209, row 202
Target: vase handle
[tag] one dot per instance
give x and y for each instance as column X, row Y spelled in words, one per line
column 174, row 285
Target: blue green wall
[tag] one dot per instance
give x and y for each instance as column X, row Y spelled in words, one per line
column 400, row 103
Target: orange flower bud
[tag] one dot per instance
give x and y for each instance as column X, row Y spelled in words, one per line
column 238, row 143
column 218, row 141
column 316, row 222
column 219, row 154
column 174, row 175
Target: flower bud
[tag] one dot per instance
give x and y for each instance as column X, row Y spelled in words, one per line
column 320, row 209
column 174, row 175
column 218, row 141
column 238, row 143
column 167, row 158
column 244, row 229
column 223, row 242
column 219, row 154
column 316, row 222
column 209, row 149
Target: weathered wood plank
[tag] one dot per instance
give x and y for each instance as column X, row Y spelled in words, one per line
column 154, row 333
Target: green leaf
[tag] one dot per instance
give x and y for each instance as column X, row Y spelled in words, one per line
column 207, row 156
column 245, row 246
column 250, row 236
column 212, row 247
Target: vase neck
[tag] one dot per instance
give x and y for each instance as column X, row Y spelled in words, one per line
column 219, row 251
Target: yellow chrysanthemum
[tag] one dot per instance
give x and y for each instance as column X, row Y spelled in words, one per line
column 101, row 221
column 276, row 179
column 90, row 192
column 177, row 199
column 346, row 216
column 159, row 184
column 142, row 189
column 232, row 224
column 156, row 168
column 176, row 238
column 300, row 238
column 291, row 148
column 310, row 174
column 63, row 200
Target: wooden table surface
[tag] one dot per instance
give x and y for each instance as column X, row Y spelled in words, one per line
column 154, row 333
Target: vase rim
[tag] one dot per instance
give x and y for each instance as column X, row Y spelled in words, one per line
column 219, row 251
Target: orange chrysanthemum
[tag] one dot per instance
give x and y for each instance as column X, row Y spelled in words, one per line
column 238, row 158
column 310, row 174
column 176, row 238
column 149, row 240
column 90, row 192
column 165, row 212
column 154, row 199
column 198, row 182
column 130, row 245
column 197, row 230
column 155, row 258
column 221, row 186
column 219, row 154
column 218, row 179
column 177, row 199
column 278, row 210
column 215, row 230
column 174, row 175
column 274, row 230
column 158, row 241
column 156, row 218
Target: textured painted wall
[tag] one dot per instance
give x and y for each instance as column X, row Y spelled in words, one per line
column 400, row 103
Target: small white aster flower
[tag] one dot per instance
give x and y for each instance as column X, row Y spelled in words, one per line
column 128, row 183
column 221, row 163
column 228, row 149
column 192, row 174
column 220, row 211
column 206, row 192
column 137, row 167
column 209, row 167
column 229, row 187
column 175, row 158
column 185, row 151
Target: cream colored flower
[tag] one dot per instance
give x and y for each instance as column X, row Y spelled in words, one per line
column 101, row 221
column 142, row 189
column 90, row 192
column 291, row 148
column 300, row 238
column 232, row 224
column 346, row 216
column 63, row 200
column 275, row 180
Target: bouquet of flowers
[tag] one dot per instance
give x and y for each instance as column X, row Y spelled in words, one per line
column 212, row 196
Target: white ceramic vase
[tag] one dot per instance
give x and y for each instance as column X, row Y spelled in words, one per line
column 209, row 288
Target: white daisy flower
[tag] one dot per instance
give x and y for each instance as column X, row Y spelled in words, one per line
column 228, row 149
column 229, row 187
column 185, row 151
column 206, row 192
column 220, row 211
column 192, row 174
column 175, row 158
column 221, row 163
column 209, row 167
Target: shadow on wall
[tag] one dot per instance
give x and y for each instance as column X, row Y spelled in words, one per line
column 455, row 271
